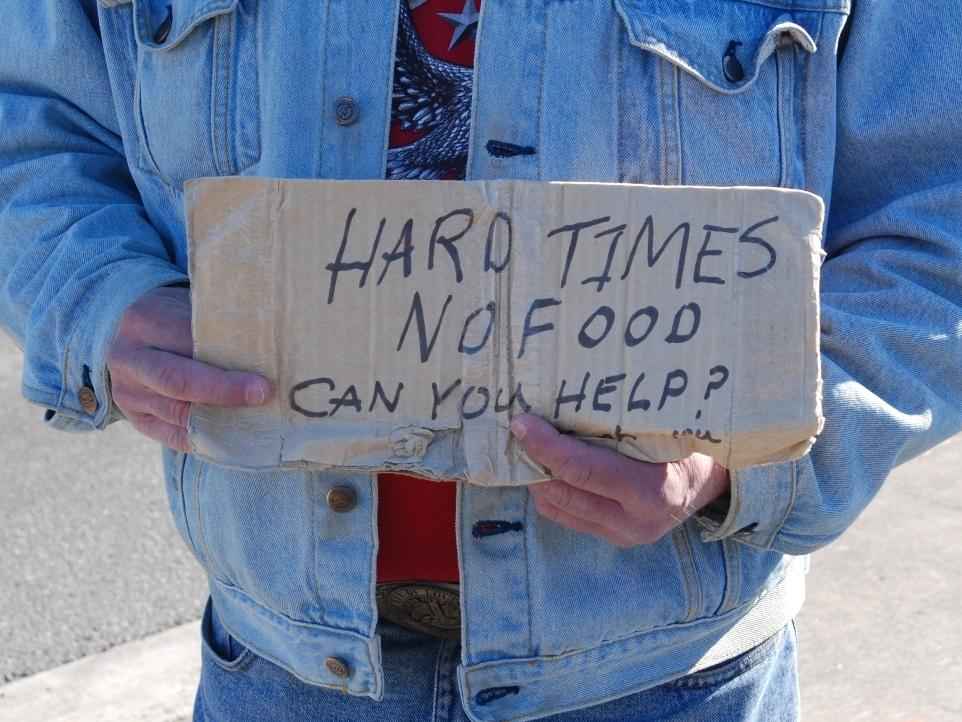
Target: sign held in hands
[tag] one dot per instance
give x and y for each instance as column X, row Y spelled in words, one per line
column 405, row 324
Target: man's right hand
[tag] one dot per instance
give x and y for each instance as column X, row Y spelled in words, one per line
column 154, row 378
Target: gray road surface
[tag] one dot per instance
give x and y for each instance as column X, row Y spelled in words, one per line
column 881, row 633
column 88, row 554
column 89, row 559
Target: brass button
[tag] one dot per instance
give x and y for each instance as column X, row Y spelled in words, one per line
column 88, row 399
column 341, row 499
column 337, row 667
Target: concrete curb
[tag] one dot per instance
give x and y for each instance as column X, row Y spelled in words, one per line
column 150, row 680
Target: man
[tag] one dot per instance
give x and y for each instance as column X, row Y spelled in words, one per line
column 620, row 590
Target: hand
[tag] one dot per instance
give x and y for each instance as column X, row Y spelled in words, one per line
column 601, row 492
column 153, row 377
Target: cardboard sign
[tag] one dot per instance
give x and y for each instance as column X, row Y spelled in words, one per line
column 404, row 324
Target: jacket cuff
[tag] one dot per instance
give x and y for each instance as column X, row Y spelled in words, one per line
column 761, row 498
column 84, row 401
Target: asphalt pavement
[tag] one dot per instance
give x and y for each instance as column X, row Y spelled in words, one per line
column 89, row 557
column 89, row 560
column 881, row 632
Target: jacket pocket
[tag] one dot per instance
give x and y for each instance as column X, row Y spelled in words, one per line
column 739, row 89
column 219, row 645
column 255, row 531
column 196, row 90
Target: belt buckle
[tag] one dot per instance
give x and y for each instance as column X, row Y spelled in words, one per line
column 432, row 608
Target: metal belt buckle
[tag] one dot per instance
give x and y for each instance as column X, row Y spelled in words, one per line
column 432, row 608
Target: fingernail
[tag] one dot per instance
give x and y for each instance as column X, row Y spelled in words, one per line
column 519, row 428
column 256, row 393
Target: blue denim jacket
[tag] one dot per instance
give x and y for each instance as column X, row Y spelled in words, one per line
column 106, row 109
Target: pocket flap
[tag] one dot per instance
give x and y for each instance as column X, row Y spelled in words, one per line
column 696, row 35
column 180, row 17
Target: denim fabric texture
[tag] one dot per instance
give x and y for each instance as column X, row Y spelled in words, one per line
column 107, row 108
column 760, row 685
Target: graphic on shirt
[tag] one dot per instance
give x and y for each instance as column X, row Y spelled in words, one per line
column 431, row 103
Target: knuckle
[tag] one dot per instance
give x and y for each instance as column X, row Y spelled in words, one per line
column 137, row 420
column 176, row 438
column 570, row 467
column 146, row 425
column 172, row 411
column 583, row 474
column 134, row 320
column 180, row 413
column 559, row 495
column 590, row 506
column 172, row 380
column 546, row 509
column 126, row 410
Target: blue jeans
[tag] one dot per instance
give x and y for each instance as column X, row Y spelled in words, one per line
column 236, row 685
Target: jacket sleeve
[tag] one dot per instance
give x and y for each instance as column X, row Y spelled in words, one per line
column 76, row 246
column 891, row 288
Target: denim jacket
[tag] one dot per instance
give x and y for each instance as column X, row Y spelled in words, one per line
column 107, row 108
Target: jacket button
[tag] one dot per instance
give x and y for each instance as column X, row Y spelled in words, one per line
column 163, row 30
column 88, row 399
column 731, row 66
column 342, row 499
column 337, row 667
column 346, row 111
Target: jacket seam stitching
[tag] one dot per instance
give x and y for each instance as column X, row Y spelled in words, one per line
column 392, row 62
column 733, row 576
column 491, row 664
column 789, row 5
column 263, row 610
column 437, row 679
column 324, row 78
column 540, row 125
column 527, row 572
column 315, row 501
column 686, row 560
column 793, row 489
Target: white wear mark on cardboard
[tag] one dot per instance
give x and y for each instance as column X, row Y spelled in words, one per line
column 405, row 324
column 410, row 443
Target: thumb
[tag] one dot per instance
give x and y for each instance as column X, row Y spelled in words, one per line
column 545, row 445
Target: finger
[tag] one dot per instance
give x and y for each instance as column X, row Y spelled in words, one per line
column 583, row 504
column 560, row 516
column 144, row 401
column 588, row 467
column 188, row 380
column 163, row 321
column 169, row 435
column 177, row 339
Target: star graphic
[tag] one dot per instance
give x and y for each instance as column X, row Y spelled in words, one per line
column 462, row 22
column 415, row 4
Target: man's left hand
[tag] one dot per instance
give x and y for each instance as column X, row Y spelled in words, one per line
column 598, row 491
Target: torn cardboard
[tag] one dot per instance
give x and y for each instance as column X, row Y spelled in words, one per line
column 405, row 324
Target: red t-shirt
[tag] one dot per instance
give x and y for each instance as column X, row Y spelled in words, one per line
column 431, row 115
